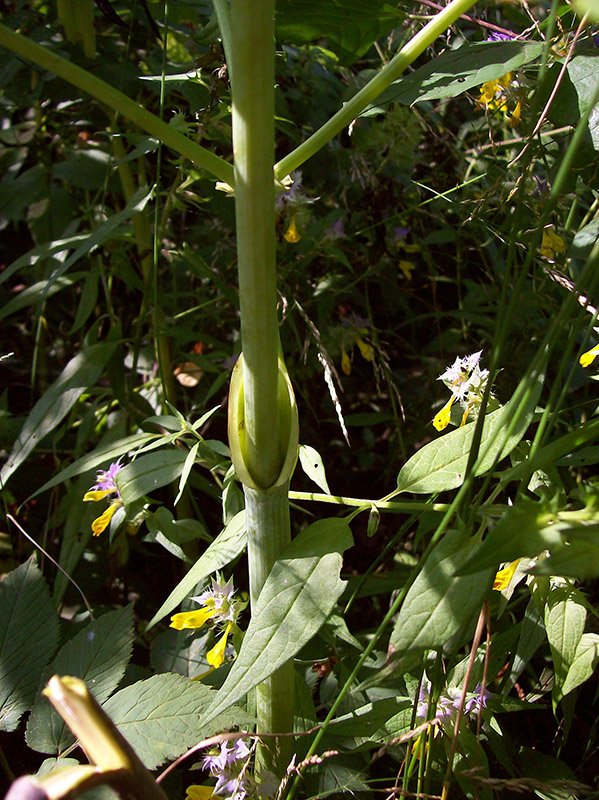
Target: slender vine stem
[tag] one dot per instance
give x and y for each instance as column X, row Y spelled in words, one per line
column 117, row 101
column 409, row 53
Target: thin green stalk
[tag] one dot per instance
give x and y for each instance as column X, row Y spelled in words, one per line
column 409, row 53
column 117, row 101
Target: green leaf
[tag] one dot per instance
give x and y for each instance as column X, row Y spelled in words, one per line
column 28, row 639
column 441, row 465
column 456, row 71
column 575, row 93
column 440, row 605
column 98, row 655
column 565, row 617
column 296, row 599
column 590, row 7
column 524, row 530
column 576, row 557
column 80, row 373
column 350, row 26
column 149, row 472
column 312, row 465
column 35, row 294
column 107, row 453
column 106, row 231
column 584, row 663
column 227, row 546
column 41, row 253
column 164, row 716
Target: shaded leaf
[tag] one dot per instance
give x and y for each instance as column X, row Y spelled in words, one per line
column 350, row 26
column 80, row 373
column 98, row 655
column 28, row 639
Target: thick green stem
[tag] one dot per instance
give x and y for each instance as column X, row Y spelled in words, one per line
column 267, row 508
column 116, row 101
column 346, row 115
column 268, row 531
column 253, row 148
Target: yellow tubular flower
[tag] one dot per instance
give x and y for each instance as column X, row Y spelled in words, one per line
column 102, row 522
column 504, row 576
column 586, row 359
column 94, row 496
column 441, row 420
column 216, row 656
column 201, row 793
column 189, row 620
column 345, row 363
column 366, row 349
column 552, row 244
column 292, row 234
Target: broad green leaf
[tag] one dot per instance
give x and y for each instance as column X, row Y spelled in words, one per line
column 298, row 596
column 149, row 472
column 526, row 529
column 576, row 556
column 350, row 26
column 565, row 617
column 28, row 639
column 532, row 636
column 456, row 71
column 312, row 465
column 439, row 604
column 585, row 661
column 441, row 465
column 98, row 655
column 103, row 455
column 590, row 7
column 164, row 716
column 82, row 371
column 227, row 546
column 185, row 655
column 575, row 93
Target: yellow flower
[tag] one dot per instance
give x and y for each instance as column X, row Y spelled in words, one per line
column 189, row 620
column 94, row 496
column 586, row 359
column 201, row 793
column 216, row 656
column 345, row 363
column 103, row 521
column 552, row 244
column 504, row 576
column 292, row 234
column 407, row 268
column 441, row 420
column 366, row 349
column 515, row 118
column 492, row 93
